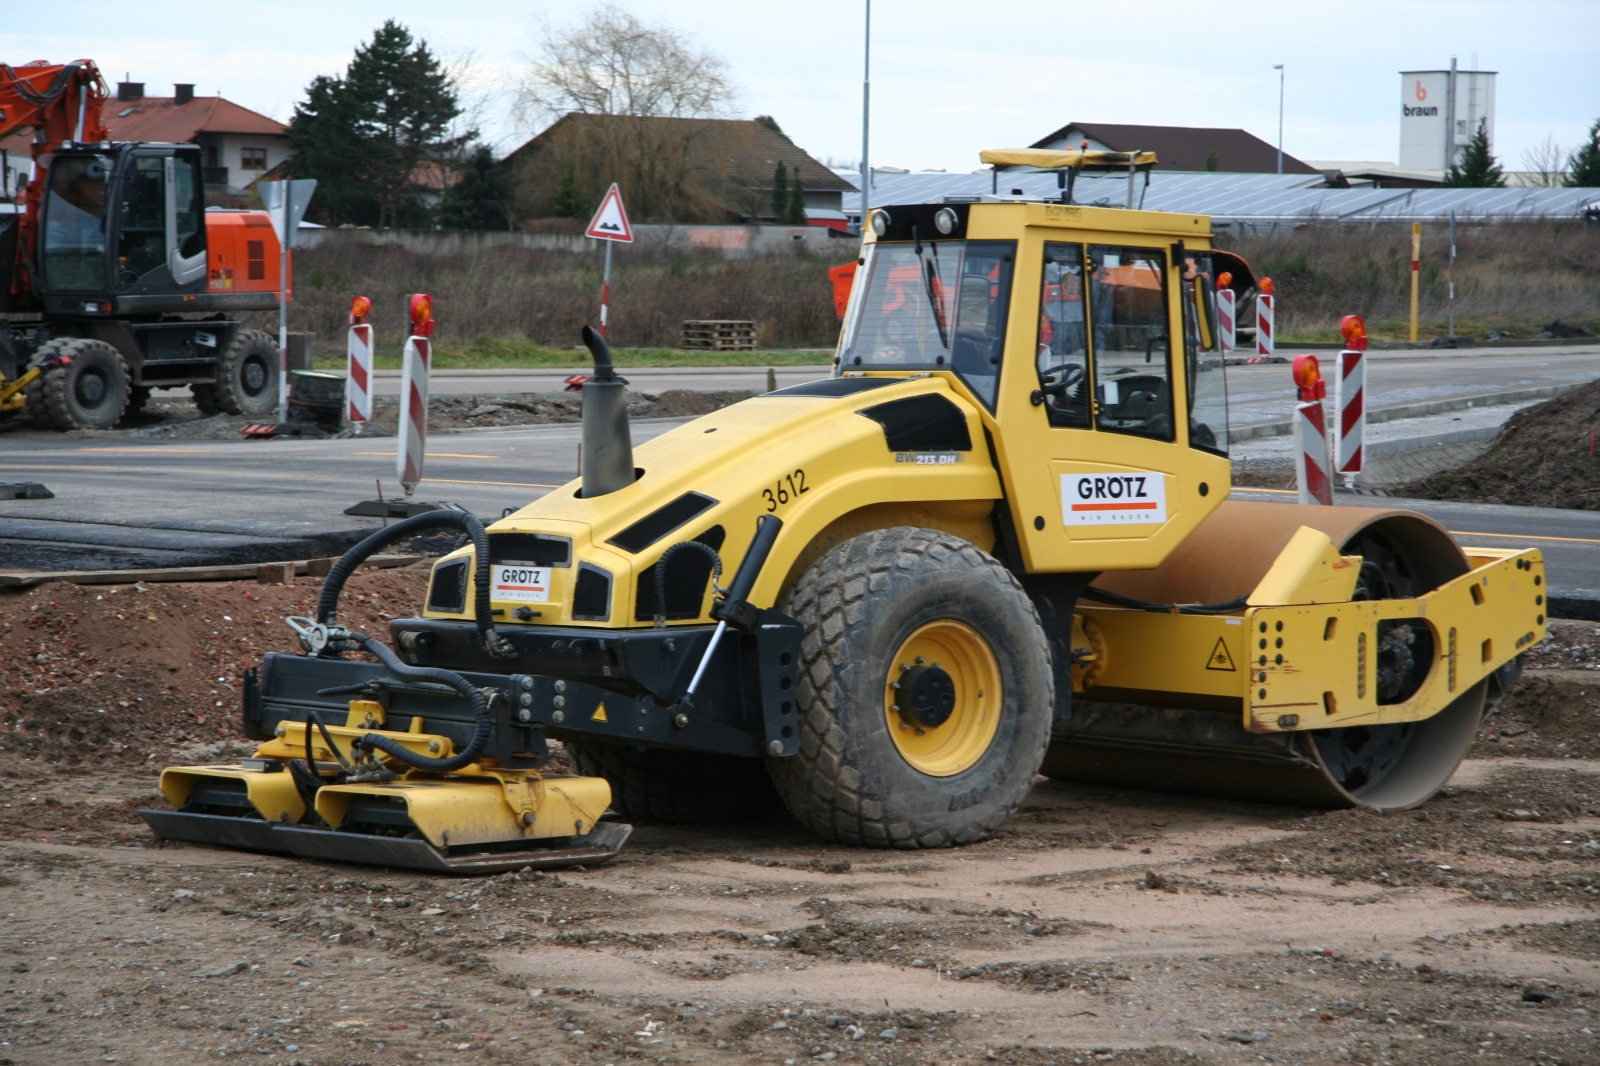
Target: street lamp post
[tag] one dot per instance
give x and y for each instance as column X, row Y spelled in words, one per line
column 1279, row 68
column 866, row 113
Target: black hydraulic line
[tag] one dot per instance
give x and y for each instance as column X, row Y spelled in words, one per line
column 333, row 585
column 661, row 574
column 483, row 727
column 1165, row 608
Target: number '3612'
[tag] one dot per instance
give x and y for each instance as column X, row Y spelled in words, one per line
column 785, row 489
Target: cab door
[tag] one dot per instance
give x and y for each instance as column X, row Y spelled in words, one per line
column 1093, row 439
column 160, row 224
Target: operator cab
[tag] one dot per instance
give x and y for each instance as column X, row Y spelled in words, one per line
column 126, row 221
column 1059, row 321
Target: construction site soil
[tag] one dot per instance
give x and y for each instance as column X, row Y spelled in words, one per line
column 179, row 419
column 1545, row 456
column 1099, row 925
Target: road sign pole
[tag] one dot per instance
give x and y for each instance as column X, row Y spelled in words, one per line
column 283, row 311
column 1416, row 259
column 605, row 290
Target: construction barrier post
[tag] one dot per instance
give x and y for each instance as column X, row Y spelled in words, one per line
column 358, row 367
column 413, row 435
column 1227, row 330
column 1311, row 454
column 1350, row 400
column 1266, row 315
column 1312, row 473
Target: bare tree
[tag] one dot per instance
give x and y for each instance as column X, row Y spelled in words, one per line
column 612, row 63
column 1546, row 163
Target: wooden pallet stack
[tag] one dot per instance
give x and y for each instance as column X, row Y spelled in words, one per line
column 720, row 336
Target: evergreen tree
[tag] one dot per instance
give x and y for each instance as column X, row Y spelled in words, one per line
column 1583, row 166
column 780, row 193
column 324, row 146
column 797, row 201
column 382, row 133
column 1477, row 168
column 568, row 201
column 481, row 199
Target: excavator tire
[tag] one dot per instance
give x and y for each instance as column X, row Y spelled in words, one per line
column 247, row 377
column 138, row 397
column 678, row 787
column 925, row 697
column 90, row 392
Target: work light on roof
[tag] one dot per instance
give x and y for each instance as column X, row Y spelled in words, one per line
column 880, row 222
column 945, row 221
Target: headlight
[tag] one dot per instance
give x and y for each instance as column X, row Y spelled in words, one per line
column 880, row 222
column 945, row 221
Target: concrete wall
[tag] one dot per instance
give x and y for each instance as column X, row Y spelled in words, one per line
column 733, row 242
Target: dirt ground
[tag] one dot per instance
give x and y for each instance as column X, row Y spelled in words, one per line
column 1100, row 925
column 179, row 419
column 1545, row 456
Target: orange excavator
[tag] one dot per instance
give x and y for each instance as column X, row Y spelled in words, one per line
column 114, row 278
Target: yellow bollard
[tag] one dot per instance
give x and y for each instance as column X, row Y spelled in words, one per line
column 1416, row 255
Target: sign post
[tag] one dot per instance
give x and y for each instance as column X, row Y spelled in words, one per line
column 609, row 224
column 1313, row 478
column 1266, row 319
column 358, row 369
column 1350, row 401
column 286, row 203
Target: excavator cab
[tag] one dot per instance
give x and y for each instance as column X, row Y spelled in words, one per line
column 121, row 220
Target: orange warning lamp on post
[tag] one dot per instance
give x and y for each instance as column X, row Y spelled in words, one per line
column 421, row 315
column 360, row 308
column 1224, row 280
column 1265, row 285
column 1354, row 330
column 1308, row 378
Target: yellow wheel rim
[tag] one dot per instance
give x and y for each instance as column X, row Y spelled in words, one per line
column 970, row 669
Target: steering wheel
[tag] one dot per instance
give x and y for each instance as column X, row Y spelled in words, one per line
column 1072, row 374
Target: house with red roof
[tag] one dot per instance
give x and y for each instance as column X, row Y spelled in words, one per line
column 239, row 145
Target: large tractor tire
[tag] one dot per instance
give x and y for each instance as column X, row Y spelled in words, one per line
column 90, row 392
column 138, row 398
column 247, row 378
column 678, row 787
column 925, row 697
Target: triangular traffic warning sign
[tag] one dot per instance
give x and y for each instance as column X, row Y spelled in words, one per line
column 610, row 222
column 1220, row 659
column 599, row 714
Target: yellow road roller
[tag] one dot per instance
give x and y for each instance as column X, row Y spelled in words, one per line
column 996, row 541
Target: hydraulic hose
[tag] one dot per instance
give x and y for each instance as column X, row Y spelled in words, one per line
column 333, row 585
column 661, row 574
column 483, row 727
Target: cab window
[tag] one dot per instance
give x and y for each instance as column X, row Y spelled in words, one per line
column 1063, row 359
column 1203, row 357
column 1131, row 347
column 933, row 305
column 142, row 219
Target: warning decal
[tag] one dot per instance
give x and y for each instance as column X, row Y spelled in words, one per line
column 599, row 714
column 1113, row 499
column 1220, row 659
column 610, row 221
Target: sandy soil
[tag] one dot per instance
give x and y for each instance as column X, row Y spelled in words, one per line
column 1100, row 925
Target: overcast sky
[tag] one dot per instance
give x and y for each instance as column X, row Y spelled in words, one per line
column 948, row 78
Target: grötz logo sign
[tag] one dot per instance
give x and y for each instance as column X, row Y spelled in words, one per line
column 1108, row 497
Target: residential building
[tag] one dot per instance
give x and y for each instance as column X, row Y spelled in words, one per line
column 1182, row 148
column 684, row 170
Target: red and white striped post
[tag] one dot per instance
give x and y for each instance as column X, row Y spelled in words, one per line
column 1266, row 324
column 1227, row 321
column 1313, row 478
column 413, row 436
column 1350, row 400
column 358, row 367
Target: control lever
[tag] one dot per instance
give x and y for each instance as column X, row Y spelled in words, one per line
column 735, row 608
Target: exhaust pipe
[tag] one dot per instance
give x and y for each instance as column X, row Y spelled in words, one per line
column 607, row 447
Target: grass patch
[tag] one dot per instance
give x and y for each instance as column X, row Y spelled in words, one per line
column 495, row 353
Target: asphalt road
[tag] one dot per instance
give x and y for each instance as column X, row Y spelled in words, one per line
column 136, row 505
column 1257, row 393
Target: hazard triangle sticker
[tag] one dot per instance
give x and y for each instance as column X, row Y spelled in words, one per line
column 1220, row 659
column 610, row 222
